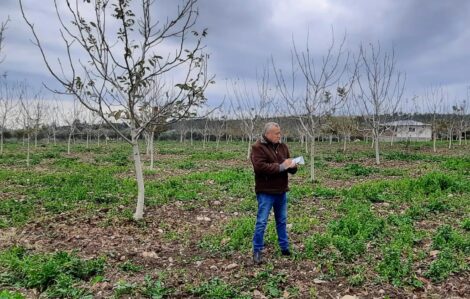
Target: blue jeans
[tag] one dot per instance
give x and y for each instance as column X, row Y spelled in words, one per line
column 265, row 203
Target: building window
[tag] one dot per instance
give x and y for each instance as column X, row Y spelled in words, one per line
column 411, row 129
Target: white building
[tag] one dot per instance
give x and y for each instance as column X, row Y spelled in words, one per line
column 404, row 130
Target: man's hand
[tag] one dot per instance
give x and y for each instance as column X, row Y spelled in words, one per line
column 288, row 163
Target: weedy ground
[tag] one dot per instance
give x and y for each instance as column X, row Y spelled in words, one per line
column 396, row 230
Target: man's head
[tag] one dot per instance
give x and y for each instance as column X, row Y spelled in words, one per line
column 272, row 132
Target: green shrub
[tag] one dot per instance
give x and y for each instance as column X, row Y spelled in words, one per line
column 5, row 294
column 371, row 191
column 324, row 192
column 215, row 288
column 55, row 271
column 447, row 237
column 119, row 157
column 128, row 266
column 123, row 287
column 434, row 182
column 445, row 264
column 458, row 163
column 186, row 165
column 349, row 234
column 395, row 266
column 466, row 224
column 154, row 289
column 359, row 170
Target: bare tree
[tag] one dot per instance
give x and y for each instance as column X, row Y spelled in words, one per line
column 249, row 106
column 461, row 110
column 38, row 110
column 217, row 124
column 381, row 89
column 7, row 106
column 3, row 28
column 160, row 110
column 70, row 117
column 6, row 99
column 434, row 99
column 26, row 116
column 91, row 120
column 324, row 84
column 182, row 128
column 346, row 123
column 122, row 62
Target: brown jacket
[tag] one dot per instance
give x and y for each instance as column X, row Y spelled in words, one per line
column 267, row 158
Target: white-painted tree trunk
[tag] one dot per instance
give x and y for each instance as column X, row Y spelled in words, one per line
column 306, row 145
column 434, row 149
column 68, row 144
column 248, row 152
column 377, row 150
column 28, row 151
column 312, row 159
column 139, row 211
column 152, row 151
column 1, row 143
column 191, row 137
column 344, row 144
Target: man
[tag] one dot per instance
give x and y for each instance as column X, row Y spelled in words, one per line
column 271, row 162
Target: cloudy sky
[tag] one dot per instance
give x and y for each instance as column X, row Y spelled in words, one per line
column 431, row 38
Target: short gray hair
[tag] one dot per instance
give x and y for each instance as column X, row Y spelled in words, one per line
column 268, row 126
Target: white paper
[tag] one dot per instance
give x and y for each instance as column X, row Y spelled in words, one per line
column 299, row 160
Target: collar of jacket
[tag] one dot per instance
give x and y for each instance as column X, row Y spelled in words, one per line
column 265, row 140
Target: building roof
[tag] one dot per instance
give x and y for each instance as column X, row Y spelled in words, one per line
column 405, row 123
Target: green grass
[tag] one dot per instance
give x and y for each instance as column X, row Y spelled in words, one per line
column 380, row 231
column 55, row 274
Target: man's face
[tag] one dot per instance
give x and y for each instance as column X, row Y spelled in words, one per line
column 274, row 134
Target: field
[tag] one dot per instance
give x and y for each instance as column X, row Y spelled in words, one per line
column 390, row 231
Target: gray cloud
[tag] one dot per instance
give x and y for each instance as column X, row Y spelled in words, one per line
column 431, row 38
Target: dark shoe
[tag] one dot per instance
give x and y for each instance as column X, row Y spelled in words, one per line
column 286, row 252
column 257, row 257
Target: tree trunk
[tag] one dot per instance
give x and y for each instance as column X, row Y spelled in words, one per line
column 191, row 137
column 312, row 159
column 218, row 141
column 434, row 149
column 1, row 143
column 376, row 144
column 151, row 150
column 139, row 211
column 450, row 137
column 68, row 143
column 28, row 151
column 344, row 144
column 248, row 148
column 306, row 144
